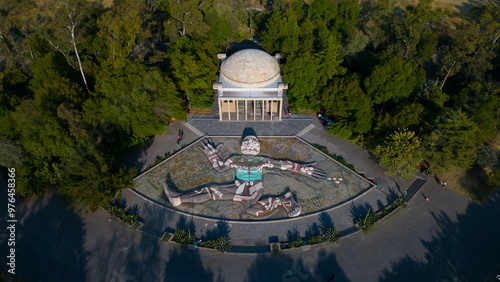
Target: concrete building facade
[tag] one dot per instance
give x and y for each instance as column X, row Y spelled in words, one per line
column 250, row 86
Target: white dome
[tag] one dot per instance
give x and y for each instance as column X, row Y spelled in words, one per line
column 250, row 68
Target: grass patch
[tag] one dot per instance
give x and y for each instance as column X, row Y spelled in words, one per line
column 200, row 111
column 470, row 183
column 303, row 111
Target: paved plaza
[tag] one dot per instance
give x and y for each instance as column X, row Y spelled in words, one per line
column 446, row 238
column 189, row 169
column 339, row 203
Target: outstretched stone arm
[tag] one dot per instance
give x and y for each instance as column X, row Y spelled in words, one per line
column 208, row 148
column 308, row 170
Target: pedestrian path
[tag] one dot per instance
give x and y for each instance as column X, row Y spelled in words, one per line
column 305, row 130
column 192, row 128
column 286, row 127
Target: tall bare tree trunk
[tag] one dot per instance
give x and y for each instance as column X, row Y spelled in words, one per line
column 72, row 31
column 448, row 74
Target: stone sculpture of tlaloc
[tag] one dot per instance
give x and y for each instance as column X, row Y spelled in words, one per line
column 247, row 187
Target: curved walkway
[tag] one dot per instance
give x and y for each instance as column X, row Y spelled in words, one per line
column 259, row 234
column 444, row 239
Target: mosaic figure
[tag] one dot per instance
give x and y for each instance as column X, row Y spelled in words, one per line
column 247, row 187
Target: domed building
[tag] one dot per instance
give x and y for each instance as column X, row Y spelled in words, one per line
column 250, row 86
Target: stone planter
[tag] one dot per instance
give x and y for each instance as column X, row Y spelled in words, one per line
column 169, row 235
column 274, row 249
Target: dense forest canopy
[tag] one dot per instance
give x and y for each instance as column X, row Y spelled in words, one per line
column 83, row 84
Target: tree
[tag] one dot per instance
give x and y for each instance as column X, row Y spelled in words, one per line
column 187, row 18
column 120, row 28
column 52, row 83
column 403, row 115
column 63, row 37
column 356, row 43
column 453, row 141
column 221, row 30
column 11, row 153
column 401, row 153
column 380, row 16
column 482, row 105
column 41, row 133
column 282, row 33
column 300, row 72
column 194, row 68
column 324, row 11
column 486, row 157
column 413, row 25
column 15, row 29
column 137, row 101
column 91, row 178
column 346, row 104
column 308, row 72
column 472, row 47
column 347, row 19
column 394, row 79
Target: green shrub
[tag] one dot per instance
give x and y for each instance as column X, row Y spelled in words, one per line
column 331, row 235
column 130, row 219
column 385, row 211
column 316, row 239
column 222, row 244
column 116, row 211
column 297, row 243
column 275, row 249
column 184, row 237
column 368, row 220
column 401, row 202
column 208, row 244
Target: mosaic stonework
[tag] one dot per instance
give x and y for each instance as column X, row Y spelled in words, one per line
column 190, row 169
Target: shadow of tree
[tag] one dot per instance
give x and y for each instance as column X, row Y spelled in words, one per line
column 185, row 265
column 221, row 229
column 325, row 220
column 457, row 251
column 315, row 266
column 313, row 230
column 141, row 258
column 380, row 205
column 185, row 223
column 119, row 202
column 392, row 195
column 293, row 234
column 50, row 242
column 359, row 211
column 135, row 210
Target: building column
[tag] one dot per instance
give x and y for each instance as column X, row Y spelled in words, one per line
column 246, row 110
column 280, row 104
column 254, row 104
column 262, row 109
column 237, row 109
column 228, row 110
column 220, row 108
column 272, row 113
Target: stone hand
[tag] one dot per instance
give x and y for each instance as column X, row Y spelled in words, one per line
column 208, row 147
column 312, row 172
